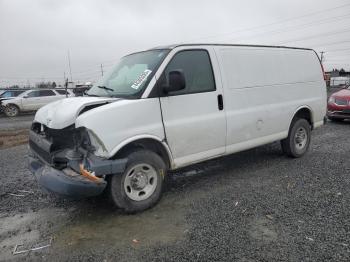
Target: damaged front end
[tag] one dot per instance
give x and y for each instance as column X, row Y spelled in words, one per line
column 70, row 161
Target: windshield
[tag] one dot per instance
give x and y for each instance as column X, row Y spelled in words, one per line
column 130, row 76
column 7, row 94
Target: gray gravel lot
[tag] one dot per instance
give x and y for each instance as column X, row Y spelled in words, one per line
column 14, row 123
column 256, row 205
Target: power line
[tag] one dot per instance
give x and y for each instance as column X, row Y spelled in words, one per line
column 274, row 23
column 338, row 60
column 315, row 36
column 257, row 27
column 333, row 43
column 296, row 27
column 338, row 50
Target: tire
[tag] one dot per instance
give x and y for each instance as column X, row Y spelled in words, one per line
column 11, row 110
column 336, row 119
column 140, row 186
column 299, row 137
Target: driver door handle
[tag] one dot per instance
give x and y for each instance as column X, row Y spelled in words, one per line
column 220, row 102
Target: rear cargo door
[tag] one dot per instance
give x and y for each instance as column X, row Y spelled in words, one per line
column 194, row 119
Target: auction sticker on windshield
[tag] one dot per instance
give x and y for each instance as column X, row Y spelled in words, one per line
column 139, row 81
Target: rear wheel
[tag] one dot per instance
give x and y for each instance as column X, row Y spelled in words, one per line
column 298, row 140
column 11, row 110
column 140, row 186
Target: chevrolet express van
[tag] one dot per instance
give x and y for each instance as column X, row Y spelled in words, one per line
column 173, row 106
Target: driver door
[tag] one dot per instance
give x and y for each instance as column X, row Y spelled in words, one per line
column 31, row 101
column 194, row 119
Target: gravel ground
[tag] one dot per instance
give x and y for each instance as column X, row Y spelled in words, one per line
column 256, row 205
column 14, row 123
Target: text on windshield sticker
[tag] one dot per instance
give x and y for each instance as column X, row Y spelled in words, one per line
column 141, row 79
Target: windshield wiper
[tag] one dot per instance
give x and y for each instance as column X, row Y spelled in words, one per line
column 85, row 93
column 105, row 88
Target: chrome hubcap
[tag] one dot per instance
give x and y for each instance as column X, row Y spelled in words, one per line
column 140, row 182
column 300, row 138
column 11, row 110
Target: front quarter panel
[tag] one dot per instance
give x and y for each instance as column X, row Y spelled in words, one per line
column 14, row 101
column 121, row 121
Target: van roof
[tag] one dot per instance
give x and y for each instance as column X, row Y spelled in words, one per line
column 216, row 44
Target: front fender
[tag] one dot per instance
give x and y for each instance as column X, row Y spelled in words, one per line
column 140, row 137
column 10, row 102
column 120, row 123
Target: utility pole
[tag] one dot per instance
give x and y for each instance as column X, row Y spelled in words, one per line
column 101, row 69
column 70, row 69
column 322, row 57
column 66, row 87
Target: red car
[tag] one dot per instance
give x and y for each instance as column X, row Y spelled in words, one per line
column 339, row 105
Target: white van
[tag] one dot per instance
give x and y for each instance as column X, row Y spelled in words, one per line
column 170, row 107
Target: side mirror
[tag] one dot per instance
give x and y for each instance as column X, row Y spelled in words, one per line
column 176, row 82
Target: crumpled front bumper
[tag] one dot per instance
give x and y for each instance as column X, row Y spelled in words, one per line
column 65, row 182
column 70, row 172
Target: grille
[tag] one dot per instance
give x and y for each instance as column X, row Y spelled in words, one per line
column 40, row 146
column 40, row 152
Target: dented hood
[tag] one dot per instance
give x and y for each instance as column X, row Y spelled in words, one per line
column 62, row 113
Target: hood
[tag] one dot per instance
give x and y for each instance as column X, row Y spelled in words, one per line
column 5, row 98
column 344, row 93
column 62, row 113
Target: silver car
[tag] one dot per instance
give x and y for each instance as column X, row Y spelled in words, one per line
column 32, row 100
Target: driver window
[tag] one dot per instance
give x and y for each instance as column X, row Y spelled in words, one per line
column 33, row 94
column 197, row 70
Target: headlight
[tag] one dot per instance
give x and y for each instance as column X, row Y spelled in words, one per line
column 100, row 149
column 331, row 100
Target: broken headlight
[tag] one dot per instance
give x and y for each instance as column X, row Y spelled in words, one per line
column 97, row 144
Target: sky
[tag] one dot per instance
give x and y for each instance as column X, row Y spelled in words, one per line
column 37, row 35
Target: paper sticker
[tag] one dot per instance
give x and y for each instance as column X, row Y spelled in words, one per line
column 141, row 79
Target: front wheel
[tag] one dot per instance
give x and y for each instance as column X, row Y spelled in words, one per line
column 140, row 186
column 298, row 140
column 11, row 110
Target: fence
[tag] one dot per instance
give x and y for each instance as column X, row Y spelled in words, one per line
column 339, row 81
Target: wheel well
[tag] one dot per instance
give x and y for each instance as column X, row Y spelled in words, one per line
column 11, row 104
column 146, row 143
column 304, row 113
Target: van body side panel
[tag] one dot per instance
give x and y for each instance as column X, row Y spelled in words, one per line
column 264, row 87
column 119, row 121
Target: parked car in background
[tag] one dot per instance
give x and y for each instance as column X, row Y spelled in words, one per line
column 32, row 100
column 8, row 94
column 80, row 89
column 339, row 105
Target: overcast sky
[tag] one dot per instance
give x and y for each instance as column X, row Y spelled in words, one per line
column 35, row 35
